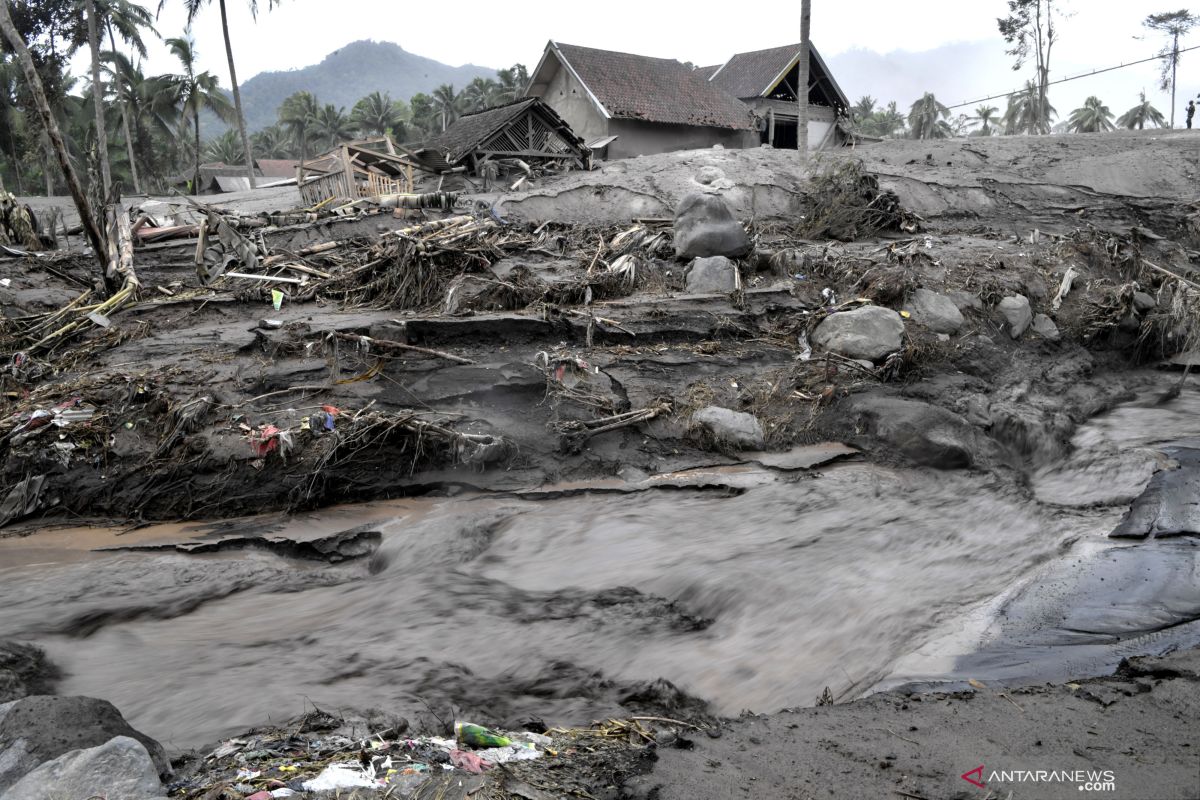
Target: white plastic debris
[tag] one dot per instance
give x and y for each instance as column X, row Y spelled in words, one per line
column 513, row 752
column 339, row 776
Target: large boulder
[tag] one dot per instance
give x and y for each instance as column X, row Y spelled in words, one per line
column 704, row 226
column 870, row 332
column 24, row 670
column 735, row 427
column 922, row 433
column 709, row 275
column 935, row 311
column 37, row 729
column 1017, row 313
column 121, row 767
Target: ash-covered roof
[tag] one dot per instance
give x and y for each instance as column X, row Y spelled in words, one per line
column 755, row 73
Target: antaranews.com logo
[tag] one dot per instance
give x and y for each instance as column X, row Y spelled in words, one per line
column 1087, row 780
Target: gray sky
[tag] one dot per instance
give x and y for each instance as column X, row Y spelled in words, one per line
column 297, row 33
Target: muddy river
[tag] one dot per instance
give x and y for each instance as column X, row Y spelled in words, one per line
column 851, row 576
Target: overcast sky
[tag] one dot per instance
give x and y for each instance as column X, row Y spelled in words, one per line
column 1099, row 33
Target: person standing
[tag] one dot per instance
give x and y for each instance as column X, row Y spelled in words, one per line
column 1191, row 112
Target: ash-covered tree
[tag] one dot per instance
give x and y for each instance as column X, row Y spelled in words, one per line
column 1139, row 115
column 378, row 114
column 927, row 119
column 1173, row 24
column 1092, row 117
column 985, row 115
column 1030, row 29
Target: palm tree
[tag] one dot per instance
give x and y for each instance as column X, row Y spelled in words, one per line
column 1092, row 117
column 927, row 119
column 93, row 36
column 193, row 7
column 296, row 115
column 225, row 148
column 480, row 93
column 127, row 19
column 272, row 142
column 1022, row 114
column 197, row 92
column 511, row 83
column 862, row 111
column 1139, row 115
column 446, row 103
column 985, row 115
column 333, row 125
column 377, row 113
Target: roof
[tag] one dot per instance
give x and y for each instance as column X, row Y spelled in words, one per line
column 278, row 167
column 548, row 134
column 755, row 73
column 468, row 131
column 707, row 72
column 628, row 86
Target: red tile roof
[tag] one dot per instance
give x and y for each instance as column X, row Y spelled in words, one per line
column 654, row 89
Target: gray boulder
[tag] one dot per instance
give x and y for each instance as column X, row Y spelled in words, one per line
column 1044, row 326
column 922, row 433
column 965, row 300
column 120, row 767
column 935, row 311
column 1017, row 313
column 704, row 226
column 870, row 332
column 708, row 275
column 1143, row 302
column 36, row 729
column 24, row 670
column 735, row 427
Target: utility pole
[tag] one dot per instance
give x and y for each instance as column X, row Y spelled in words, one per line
column 802, row 81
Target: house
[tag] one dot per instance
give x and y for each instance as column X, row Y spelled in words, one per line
column 765, row 80
column 353, row 170
column 526, row 131
column 625, row 105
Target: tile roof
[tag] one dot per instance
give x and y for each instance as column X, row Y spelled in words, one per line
column 750, row 74
column 654, row 89
column 470, row 131
column 278, row 167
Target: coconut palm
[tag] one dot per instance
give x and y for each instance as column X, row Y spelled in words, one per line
column 296, row 115
column 446, row 102
column 480, row 93
column 511, row 83
column 225, row 149
column 126, row 19
column 193, row 8
column 376, row 114
column 1139, row 115
column 862, row 111
column 985, row 115
column 1022, row 115
column 332, row 125
column 197, row 92
column 927, row 119
column 272, row 142
column 1092, row 117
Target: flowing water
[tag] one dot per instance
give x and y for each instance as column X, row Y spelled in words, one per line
column 502, row 606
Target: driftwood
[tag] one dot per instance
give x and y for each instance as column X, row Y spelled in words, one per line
column 387, row 344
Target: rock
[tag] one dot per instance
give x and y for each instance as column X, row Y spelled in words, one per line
column 870, row 332
column 704, row 226
column 24, row 671
column 735, row 427
column 935, row 311
column 709, row 275
column 121, row 767
column 1017, row 313
column 468, row 293
column 37, row 729
column 1044, row 326
column 1143, row 302
column 1035, row 287
column 965, row 300
column 1130, row 323
column 922, row 433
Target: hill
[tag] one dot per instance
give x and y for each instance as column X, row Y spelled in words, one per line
column 347, row 74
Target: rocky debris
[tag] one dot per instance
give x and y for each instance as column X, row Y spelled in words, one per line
column 735, row 427
column 24, row 670
column 964, row 301
column 36, row 729
column 704, row 226
column 1170, row 504
column 1017, row 313
column 937, row 312
column 711, row 275
column 1144, row 302
column 121, row 767
column 468, row 292
column 920, row 432
column 870, row 333
column 1044, row 326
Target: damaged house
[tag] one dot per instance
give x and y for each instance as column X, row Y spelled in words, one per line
column 626, row 105
column 765, row 80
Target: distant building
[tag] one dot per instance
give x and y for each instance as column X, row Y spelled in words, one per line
column 625, row 105
column 765, row 80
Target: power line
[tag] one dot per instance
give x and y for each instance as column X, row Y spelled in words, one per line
column 1077, row 77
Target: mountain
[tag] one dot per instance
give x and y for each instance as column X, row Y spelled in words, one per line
column 348, row 74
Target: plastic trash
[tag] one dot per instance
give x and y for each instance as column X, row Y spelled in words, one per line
column 276, row 299
column 478, row 736
column 466, row 760
column 340, row 776
column 518, row 751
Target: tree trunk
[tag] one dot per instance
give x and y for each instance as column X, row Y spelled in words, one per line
column 137, row 185
column 196, row 126
column 802, row 81
column 98, row 100
column 34, row 82
column 237, row 96
column 49, row 150
column 1174, row 65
